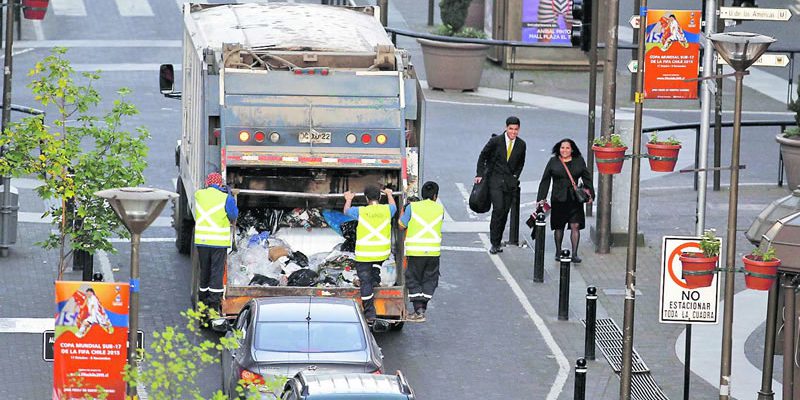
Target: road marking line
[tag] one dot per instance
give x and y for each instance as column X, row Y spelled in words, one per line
column 38, row 31
column 144, row 240
column 123, row 67
column 465, row 103
column 462, row 248
column 26, row 325
column 134, row 8
column 36, row 218
column 563, row 364
column 69, row 8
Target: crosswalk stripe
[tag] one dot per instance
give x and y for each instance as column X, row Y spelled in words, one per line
column 134, row 8
column 69, row 8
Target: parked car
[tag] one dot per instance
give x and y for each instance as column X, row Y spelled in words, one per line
column 305, row 386
column 284, row 335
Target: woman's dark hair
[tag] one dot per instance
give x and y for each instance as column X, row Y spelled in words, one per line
column 576, row 152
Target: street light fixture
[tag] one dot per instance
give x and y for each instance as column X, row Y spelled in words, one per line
column 137, row 207
column 740, row 50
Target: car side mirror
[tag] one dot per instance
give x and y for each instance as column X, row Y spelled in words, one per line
column 220, row 325
column 166, row 78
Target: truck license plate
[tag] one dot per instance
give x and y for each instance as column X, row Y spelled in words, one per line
column 315, row 137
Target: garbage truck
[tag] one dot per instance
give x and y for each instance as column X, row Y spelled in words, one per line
column 294, row 104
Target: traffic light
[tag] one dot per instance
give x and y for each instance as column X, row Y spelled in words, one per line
column 581, row 34
column 744, row 3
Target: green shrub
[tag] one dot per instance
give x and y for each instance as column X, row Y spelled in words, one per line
column 614, row 140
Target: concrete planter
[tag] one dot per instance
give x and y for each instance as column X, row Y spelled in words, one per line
column 790, row 150
column 456, row 66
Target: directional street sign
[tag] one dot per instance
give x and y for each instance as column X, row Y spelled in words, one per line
column 766, row 14
column 766, row 60
column 633, row 66
column 634, row 21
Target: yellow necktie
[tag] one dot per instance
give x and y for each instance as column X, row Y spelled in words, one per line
column 508, row 150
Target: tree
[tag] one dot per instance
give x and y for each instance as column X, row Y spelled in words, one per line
column 78, row 155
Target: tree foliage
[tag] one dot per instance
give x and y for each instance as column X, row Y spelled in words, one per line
column 454, row 13
column 80, row 153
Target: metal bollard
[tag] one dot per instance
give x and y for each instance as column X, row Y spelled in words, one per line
column 513, row 230
column 580, row 380
column 591, row 323
column 563, row 286
column 538, row 250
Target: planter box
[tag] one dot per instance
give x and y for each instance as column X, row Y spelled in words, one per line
column 698, row 270
column 456, row 66
column 790, row 150
column 662, row 157
column 767, row 272
column 609, row 159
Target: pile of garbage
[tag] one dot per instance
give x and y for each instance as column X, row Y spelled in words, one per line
column 272, row 246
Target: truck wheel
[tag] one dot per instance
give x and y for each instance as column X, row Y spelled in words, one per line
column 195, row 282
column 182, row 221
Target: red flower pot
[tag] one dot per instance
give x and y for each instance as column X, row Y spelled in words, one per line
column 34, row 9
column 767, row 272
column 697, row 269
column 609, row 159
column 662, row 156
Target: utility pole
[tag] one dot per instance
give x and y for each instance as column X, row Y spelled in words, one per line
column 5, row 202
column 607, row 126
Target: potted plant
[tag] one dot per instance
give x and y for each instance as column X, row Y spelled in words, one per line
column 761, row 268
column 790, row 146
column 698, row 267
column 663, row 154
column 450, row 65
column 609, row 153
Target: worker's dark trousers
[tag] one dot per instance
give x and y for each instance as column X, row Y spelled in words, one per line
column 212, row 268
column 422, row 278
column 369, row 273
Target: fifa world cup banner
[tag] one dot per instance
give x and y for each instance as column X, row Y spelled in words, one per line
column 547, row 21
column 91, row 339
column 672, row 54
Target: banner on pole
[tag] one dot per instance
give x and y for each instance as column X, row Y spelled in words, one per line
column 672, row 54
column 91, row 336
column 547, row 21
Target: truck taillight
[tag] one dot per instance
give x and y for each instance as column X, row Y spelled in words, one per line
column 259, row 136
column 311, row 71
column 351, row 138
column 380, row 139
column 244, row 136
column 366, row 138
column 274, row 137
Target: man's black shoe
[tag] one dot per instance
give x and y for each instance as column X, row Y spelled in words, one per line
column 576, row 260
column 494, row 250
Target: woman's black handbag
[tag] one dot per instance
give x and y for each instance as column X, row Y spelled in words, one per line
column 479, row 200
column 581, row 193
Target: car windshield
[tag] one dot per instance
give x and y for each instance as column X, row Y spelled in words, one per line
column 304, row 337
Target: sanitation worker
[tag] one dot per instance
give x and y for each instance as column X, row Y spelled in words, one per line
column 423, row 221
column 214, row 212
column 373, row 241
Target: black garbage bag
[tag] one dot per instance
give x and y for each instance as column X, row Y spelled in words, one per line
column 299, row 258
column 349, row 234
column 263, row 280
column 303, row 277
column 479, row 200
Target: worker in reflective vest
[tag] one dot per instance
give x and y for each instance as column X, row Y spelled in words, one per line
column 373, row 241
column 214, row 212
column 423, row 223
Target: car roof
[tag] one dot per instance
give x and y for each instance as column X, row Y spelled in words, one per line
column 354, row 384
column 299, row 308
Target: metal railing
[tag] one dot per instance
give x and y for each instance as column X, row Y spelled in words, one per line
column 716, row 167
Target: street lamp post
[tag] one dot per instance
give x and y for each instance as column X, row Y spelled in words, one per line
column 740, row 50
column 137, row 207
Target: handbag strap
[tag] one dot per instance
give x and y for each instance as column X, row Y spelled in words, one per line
column 569, row 174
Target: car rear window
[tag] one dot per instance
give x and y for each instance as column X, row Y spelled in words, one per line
column 302, row 337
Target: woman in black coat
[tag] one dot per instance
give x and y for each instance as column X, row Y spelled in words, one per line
column 565, row 207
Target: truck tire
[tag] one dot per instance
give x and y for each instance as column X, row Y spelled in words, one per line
column 194, row 284
column 182, row 221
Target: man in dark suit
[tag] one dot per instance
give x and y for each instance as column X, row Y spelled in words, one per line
column 501, row 163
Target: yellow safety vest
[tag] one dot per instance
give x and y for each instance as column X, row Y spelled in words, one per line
column 424, row 234
column 374, row 233
column 211, row 226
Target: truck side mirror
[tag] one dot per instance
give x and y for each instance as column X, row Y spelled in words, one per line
column 166, row 78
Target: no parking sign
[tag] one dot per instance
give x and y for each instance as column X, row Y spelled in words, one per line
column 679, row 304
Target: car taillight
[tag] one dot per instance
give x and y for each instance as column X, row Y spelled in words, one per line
column 244, row 136
column 251, row 377
column 366, row 138
column 380, row 139
column 259, row 136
